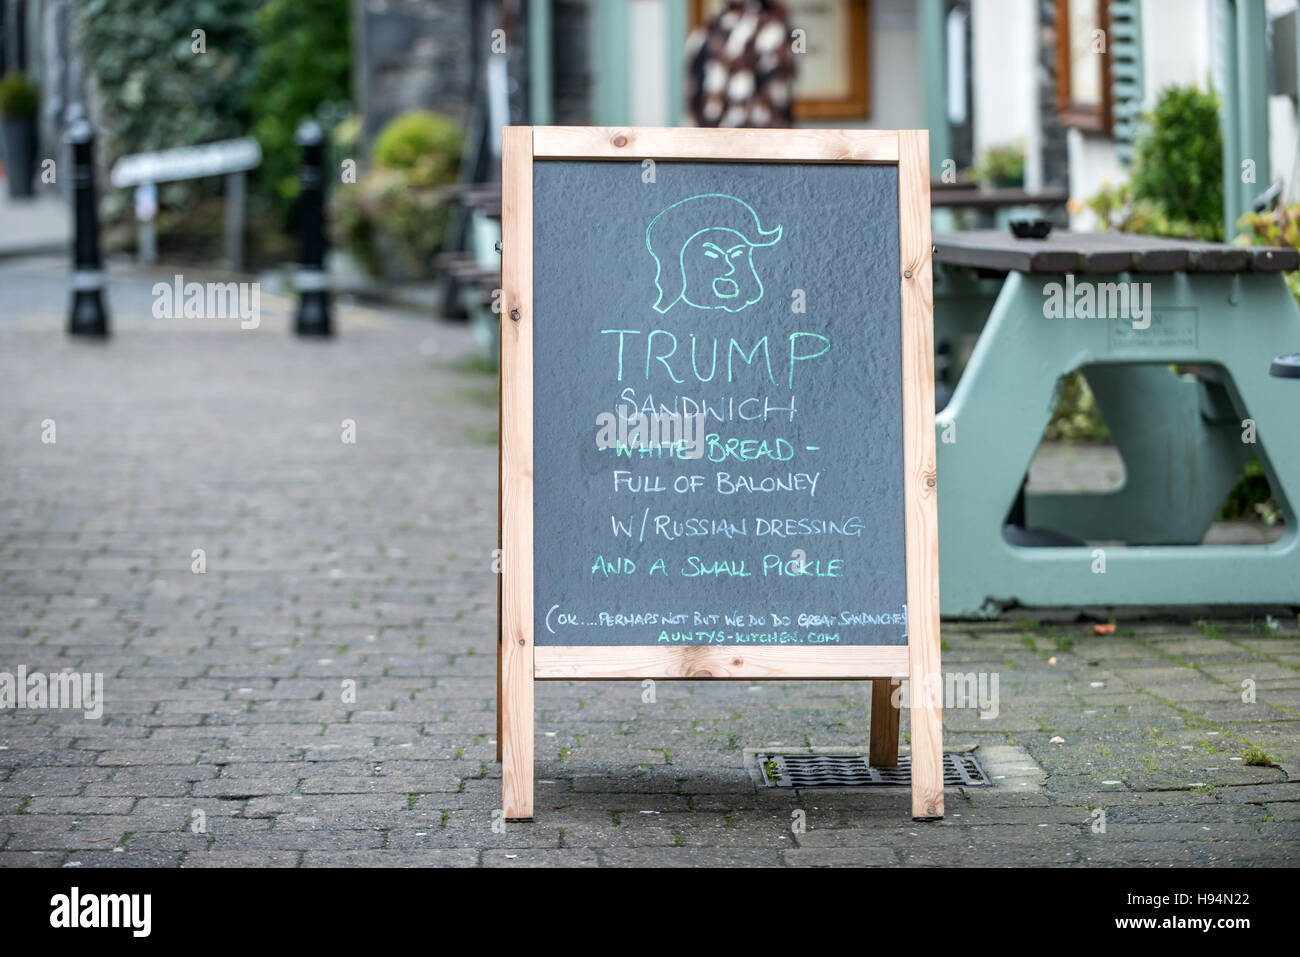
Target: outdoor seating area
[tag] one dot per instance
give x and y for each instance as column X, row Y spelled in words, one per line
column 1180, row 372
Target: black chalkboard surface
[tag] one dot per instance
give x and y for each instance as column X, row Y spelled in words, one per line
column 717, row 405
column 717, row 450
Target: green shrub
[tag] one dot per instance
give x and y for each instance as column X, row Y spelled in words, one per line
column 302, row 70
column 264, row 66
column 1076, row 418
column 1179, row 162
column 155, row 92
column 18, row 97
column 1117, row 209
column 1276, row 227
column 1176, row 188
column 426, row 146
column 394, row 219
column 1251, row 497
column 1001, row 166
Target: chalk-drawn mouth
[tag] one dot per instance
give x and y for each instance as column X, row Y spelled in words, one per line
column 726, row 288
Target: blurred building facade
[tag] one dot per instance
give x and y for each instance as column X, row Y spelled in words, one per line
column 37, row 37
column 1063, row 80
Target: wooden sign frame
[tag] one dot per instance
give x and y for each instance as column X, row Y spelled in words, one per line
column 519, row 661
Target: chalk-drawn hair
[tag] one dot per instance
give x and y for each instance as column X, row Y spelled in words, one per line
column 669, row 232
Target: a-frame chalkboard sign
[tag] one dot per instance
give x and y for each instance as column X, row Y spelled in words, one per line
column 717, row 420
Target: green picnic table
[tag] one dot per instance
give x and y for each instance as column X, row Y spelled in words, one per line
column 1177, row 340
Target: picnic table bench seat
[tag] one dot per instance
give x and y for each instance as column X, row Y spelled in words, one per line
column 1185, row 389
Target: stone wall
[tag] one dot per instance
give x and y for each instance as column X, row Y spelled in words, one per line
column 420, row 54
column 412, row 55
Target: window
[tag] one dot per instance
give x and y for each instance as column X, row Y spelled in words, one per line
column 1083, row 95
column 833, row 65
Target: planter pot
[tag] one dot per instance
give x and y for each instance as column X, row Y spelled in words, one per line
column 20, row 154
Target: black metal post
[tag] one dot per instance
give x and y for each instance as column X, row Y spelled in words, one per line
column 88, row 317
column 313, row 285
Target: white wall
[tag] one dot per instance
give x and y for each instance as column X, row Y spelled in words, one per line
column 895, row 83
column 1177, row 46
column 1004, row 57
column 1283, row 144
column 647, row 24
column 1093, row 164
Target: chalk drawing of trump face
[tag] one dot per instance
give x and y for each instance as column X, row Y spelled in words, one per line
column 703, row 248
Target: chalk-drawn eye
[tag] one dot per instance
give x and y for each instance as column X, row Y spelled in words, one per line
column 735, row 251
column 710, row 254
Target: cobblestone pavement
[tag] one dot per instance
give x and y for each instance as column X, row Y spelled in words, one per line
column 229, row 735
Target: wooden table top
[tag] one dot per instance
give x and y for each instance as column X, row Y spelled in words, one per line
column 1105, row 253
column 960, row 196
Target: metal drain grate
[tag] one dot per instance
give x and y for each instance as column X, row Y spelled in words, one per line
column 853, row 771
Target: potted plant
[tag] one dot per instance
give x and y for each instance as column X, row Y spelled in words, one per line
column 393, row 220
column 1002, row 167
column 18, row 104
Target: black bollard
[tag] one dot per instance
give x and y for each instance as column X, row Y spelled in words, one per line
column 88, row 316
column 313, row 285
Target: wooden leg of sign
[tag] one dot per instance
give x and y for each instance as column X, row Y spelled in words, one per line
column 499, row 709
column 925, row 690
column 922, row 524
column 499, row 566
column 884, row 723
column 499, row 571
column 516, row 450
column 517, row 731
